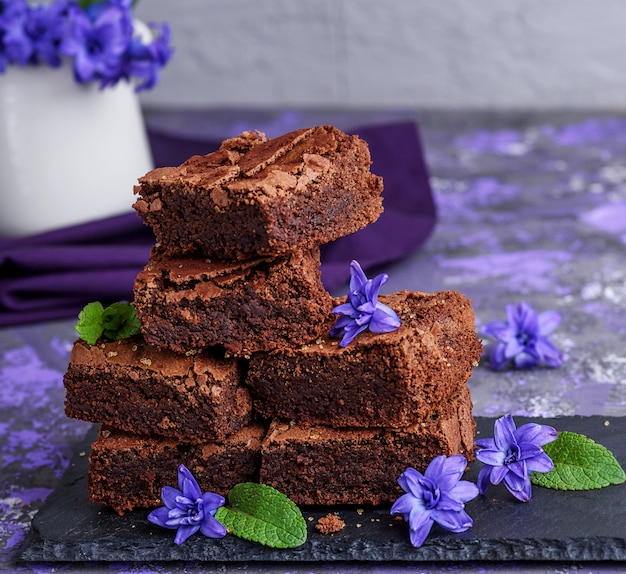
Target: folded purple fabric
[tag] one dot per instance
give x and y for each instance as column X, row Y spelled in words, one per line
column 53, row 275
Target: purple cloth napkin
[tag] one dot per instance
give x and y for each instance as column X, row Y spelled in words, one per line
column 53, row 275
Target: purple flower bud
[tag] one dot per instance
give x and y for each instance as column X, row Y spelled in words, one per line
column 188, row 510
column 522, row 340
column 512, row 455
column 439, row 495
column 362, row 309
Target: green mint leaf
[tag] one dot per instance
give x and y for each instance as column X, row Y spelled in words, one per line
column 90, row 323
column 84, row 4
column 260, row 513
column 120, row 321
column 579, row 464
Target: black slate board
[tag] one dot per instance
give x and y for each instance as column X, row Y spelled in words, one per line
column 554, row 526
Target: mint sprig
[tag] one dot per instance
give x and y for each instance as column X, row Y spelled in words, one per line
column 115, row 322
column 579, row 464
column 260, row 513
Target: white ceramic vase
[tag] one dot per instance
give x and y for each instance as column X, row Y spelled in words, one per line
column 69, row 153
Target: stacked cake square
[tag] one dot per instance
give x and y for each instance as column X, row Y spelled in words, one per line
column 235, row 374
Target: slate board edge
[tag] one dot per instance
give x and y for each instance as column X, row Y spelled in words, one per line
column 449, row 547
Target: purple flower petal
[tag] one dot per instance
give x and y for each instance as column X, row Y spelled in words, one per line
column 497, row 359
column 403, row 505
column 504, row 432
column 212, row 501
column 212, row 528
column 536, row 433
column 540, row 463
column 512, row 348
column 521, row 454
column 490, row 456
column 526, row 318
column 458, row 521
column 498, row 330
column 486, row 443
column 358, row 279
column 160, row 517
column 520, row 488
column 526, row 360
column 519, row 468
column 498, row 473
column 548, row 321
column 448, row 471
column 420, row 525
column 187, row 483
column 169, row 494
column 190, row 510
column 350, row 334
column 184, row 532
column 384, row 319
column 484, row 479
column 528, row 450
column 549, row 354
column 409, row 481
column 464, row 491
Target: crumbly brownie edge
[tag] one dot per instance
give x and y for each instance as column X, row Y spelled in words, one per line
column 379, row 379
column 140, row 389
column 128, row 471
column 259, row 307
column 323, row 466
column 186, row 216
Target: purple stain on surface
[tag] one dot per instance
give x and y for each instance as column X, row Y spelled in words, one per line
column 61, row 347
column 592, row 131
column 23, row 439
column 30, row 495
column 20, row 356
column 590, row 398
column 609, row 217
column 26, row 380
column 522, row 271
column 13, row 542
column 506, row 142
column 488, row 191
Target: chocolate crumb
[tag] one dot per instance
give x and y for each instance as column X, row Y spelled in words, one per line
column 329, row 524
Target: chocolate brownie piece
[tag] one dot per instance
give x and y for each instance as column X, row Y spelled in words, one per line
column 319, row 465
column 188, row 302
column 135, row 387
column 379, row 379
column 299, row 190
column 128, row 471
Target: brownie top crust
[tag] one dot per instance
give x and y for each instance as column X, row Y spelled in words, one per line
column 247, row 161
column 442, row 323
column 135, row 352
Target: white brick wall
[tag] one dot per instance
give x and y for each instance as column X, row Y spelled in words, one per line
column 481, row 54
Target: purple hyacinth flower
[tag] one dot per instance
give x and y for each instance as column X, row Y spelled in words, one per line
column 188, row 510
column 144, row 61
column 12, row 10
column 97, row 45
column 45, row 27
column 512, row 455
column 522, row 340
column 439, row 495
column 15, row 45
column 362, row 309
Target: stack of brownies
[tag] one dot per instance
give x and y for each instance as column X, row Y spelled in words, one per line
column 235, row 374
